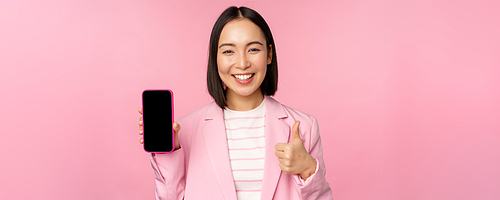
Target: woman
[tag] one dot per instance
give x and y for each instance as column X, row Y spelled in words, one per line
column 245, row 144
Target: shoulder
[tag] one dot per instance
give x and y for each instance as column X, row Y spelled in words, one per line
column 196, row 115
column 190, row 124
column 284, row 111
column 297, row 114
column 309, row 128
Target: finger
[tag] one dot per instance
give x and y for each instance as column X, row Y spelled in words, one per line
column 140, row 122
column 142, row 141
column 283, row 168
column 280, row 146
column 295, row 131
column 141, row 132
column 279, row 154
column 140, row 110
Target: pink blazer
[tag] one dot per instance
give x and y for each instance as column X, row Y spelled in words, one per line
column 201, row 168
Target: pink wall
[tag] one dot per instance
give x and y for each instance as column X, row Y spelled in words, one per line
column 407, row 93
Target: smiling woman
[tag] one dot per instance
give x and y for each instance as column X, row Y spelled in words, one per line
column 242, row 61
column 245, row 144
column 241, row 35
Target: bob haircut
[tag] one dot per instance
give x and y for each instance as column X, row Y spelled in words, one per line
column 214, row 83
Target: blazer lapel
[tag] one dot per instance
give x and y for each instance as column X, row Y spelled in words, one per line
column 276, row 131
column 216, row 143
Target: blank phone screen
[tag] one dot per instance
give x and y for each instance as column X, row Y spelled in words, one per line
column 157, row 120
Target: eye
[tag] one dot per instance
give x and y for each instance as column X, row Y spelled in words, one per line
column 227, row 51
column 254, row 50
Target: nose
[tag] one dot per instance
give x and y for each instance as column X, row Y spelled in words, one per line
column 242, row 62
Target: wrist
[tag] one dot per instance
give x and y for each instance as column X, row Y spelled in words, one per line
column 311, row 168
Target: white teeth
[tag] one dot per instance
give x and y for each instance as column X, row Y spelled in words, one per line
column 243, row 77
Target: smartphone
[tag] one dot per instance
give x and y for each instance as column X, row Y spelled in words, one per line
column 157, row 119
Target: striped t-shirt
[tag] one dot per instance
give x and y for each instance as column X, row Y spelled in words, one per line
column 246, row 142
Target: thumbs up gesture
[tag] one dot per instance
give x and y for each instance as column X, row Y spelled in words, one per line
column 293, row 156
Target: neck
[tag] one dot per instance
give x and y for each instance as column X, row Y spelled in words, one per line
column 244, row 103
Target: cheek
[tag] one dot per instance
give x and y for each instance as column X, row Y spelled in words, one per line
column 261, row 62
column 225, row 62
column 222, row 66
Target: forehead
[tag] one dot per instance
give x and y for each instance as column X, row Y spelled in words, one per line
column 241, row 31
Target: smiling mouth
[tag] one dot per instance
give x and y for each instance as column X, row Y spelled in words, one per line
column 244, row 77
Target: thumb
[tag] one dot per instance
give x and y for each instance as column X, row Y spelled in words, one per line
column 295, row 131
column 176, row 127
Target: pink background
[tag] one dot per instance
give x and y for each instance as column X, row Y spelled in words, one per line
column 407, row 93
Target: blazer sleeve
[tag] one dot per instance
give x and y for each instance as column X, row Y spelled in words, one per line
column 315, row 187
column 170, row 174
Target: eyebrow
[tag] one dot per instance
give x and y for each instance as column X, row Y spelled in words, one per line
column 231, row 44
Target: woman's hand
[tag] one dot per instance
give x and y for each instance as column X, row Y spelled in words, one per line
column 293, row 156
column 176, row 127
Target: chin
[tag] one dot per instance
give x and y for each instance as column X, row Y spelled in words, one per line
column 246, row 92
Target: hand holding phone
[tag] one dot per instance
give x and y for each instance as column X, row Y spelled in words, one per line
column 176, row 126
column 156, row 124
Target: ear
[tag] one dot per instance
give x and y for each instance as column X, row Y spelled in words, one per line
column 270, row 54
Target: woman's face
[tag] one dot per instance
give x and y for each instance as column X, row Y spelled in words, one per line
column 242, row 57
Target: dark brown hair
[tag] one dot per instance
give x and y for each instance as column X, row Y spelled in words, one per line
column 214, row 82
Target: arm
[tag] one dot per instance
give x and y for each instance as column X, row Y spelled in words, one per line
column 170, row 170
column 315, row 187
column 170, row 175
column 170, row 180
